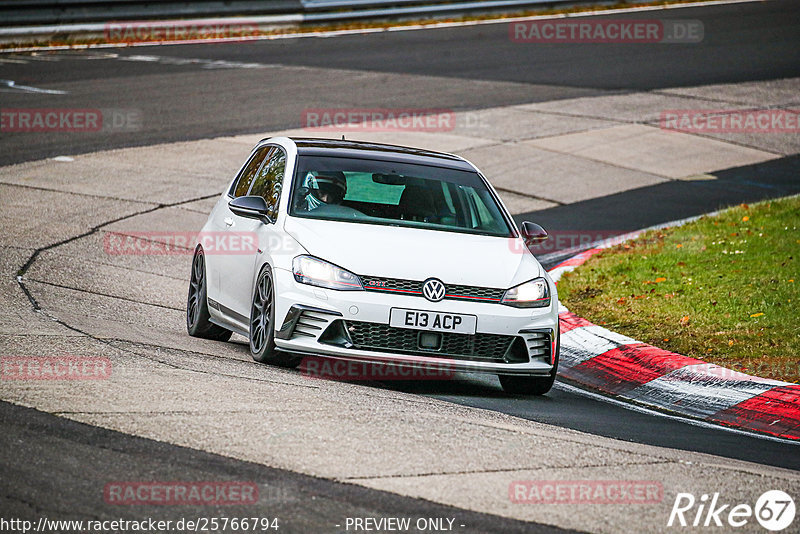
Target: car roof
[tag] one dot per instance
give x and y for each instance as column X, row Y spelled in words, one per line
column 365, row 150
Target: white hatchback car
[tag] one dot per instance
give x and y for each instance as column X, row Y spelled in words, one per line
column 375, row 253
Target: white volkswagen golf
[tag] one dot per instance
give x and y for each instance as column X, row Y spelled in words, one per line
column 375, row 253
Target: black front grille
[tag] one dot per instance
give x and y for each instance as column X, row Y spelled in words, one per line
column 413, row 287
column 475, row 293
column 391, row 285
column 382, row 337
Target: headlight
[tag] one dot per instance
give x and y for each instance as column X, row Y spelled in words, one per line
column 315, row 272
column 533, row 294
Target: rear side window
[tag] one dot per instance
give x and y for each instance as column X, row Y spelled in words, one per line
column 269, row 179
column 242, row 184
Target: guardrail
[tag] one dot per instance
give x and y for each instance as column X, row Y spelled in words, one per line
column 59, row 12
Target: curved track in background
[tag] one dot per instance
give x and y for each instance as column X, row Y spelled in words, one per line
column 200, row 91
column 128, row 308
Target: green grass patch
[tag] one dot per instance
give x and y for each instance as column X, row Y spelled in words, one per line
column 724, row 289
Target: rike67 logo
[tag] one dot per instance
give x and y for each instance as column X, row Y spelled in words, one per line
column 774, row 510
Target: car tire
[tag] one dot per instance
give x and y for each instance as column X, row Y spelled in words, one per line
column 532, row 385
column 198, row 322
column 262, row 324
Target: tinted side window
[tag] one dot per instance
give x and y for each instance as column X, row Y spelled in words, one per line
column 268, row 182
column 242, row 184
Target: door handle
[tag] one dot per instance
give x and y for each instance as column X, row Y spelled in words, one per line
column 228, row 221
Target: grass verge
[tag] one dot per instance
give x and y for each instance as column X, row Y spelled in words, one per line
column 724, row 289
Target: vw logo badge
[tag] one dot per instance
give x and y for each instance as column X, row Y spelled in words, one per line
column 433, row 290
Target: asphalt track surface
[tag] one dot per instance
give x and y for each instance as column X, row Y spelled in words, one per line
column 459, row 68
column 57, row 479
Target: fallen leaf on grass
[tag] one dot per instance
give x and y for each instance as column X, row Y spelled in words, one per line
column 684, row 320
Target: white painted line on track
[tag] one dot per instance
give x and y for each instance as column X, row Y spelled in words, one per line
column 14, row 88
column 203, row 63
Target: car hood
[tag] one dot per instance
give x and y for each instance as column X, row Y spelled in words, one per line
column 417, row 254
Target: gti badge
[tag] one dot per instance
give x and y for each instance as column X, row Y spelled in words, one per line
column 433, row 290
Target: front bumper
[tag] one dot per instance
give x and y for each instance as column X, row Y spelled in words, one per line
column 354, row 325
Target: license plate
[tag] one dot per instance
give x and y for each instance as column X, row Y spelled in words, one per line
column 433, row 321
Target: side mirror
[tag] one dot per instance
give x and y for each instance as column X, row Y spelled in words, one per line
column 252, row 207
column 533, row 233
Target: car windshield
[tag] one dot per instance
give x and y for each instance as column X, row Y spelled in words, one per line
column 397, row 194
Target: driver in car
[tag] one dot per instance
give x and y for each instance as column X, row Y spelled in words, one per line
column 326, row 188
